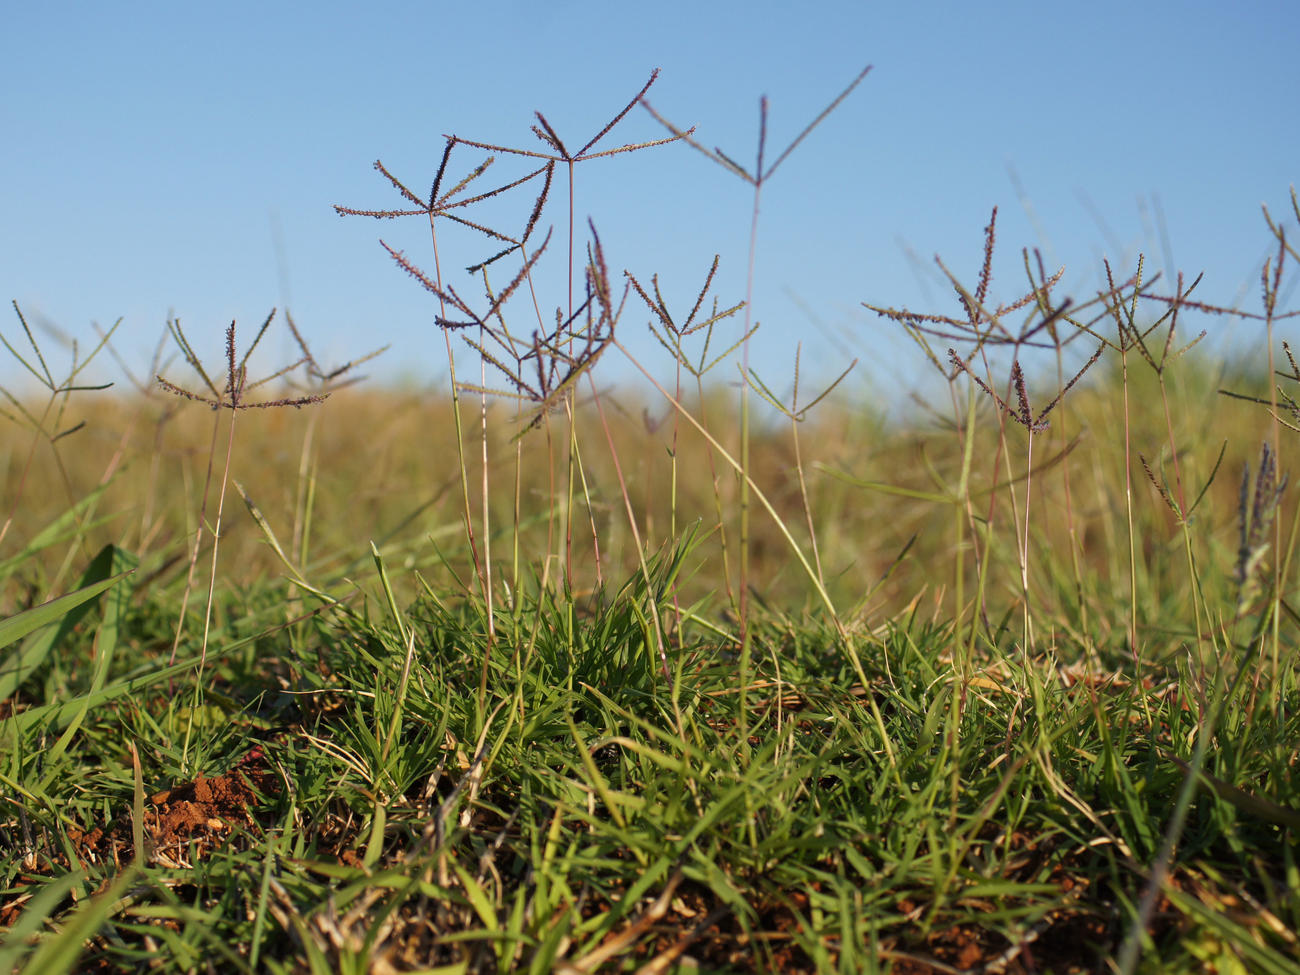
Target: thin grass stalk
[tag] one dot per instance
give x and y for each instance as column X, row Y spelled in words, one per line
column 463, row 468
column 1270, row 309
column 1282, row 676
column 732, row 598
column 797, row 415
column 575, row 473
column 303, row 507
column 212, row 580
column 1282, row 568
column 305, row 495
column 188, row 588
column 672, row 455
column 1134, row 650
column 672, row 492
column 1125, row 344
column 1001, row 456
column 1183, row 514
column 803, row 482
column 568, row 409
column 655, row 614
column 455, row 397
column 1199, row 605
column 550, row 454
column 551, row 521
column 962, row 514
column 963, row 518
column 756, row 179
column 586, row 499
column 1024, row 547
column 1076, row 566
column 746, row 636
column 1271, row 279
column 767, row 505
column 806, row 503
column 1072, row 532
column 515, row 555
column 466, row 509
column 570, row 489
column 487, row 527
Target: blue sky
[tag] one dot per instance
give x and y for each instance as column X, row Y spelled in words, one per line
column 182, row 158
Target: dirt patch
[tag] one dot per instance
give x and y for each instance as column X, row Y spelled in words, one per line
column 181, row 824
column 187, row 821
column 190, row 819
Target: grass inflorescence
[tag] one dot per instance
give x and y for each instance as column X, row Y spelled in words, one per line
column 530, row 674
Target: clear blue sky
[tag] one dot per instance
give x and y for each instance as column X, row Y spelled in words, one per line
column 183, row 158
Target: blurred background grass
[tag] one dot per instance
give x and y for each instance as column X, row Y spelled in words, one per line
column 380, row 464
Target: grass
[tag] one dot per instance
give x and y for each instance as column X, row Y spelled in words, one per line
column 673, row 681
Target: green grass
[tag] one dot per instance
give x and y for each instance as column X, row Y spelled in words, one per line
column 670, row 681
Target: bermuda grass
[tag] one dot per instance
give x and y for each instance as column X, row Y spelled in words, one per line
column 532, row 673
